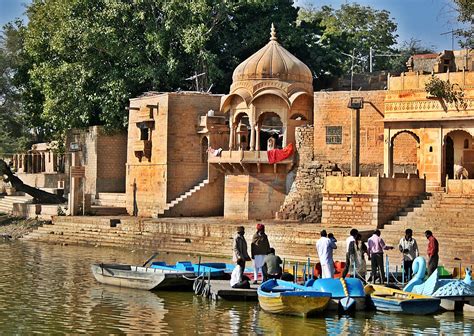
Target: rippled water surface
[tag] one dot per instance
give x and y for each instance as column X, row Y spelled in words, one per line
column 50, row 289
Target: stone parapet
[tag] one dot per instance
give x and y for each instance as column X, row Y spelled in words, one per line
column 362, row 201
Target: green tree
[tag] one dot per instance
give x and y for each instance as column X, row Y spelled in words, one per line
column 465, row 10
column 12, row 133
column 88, row 57
column 358, row 28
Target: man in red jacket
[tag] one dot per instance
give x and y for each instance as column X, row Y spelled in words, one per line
column 433, row 252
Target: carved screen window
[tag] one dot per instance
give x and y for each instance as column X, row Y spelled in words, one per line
column 333, row 135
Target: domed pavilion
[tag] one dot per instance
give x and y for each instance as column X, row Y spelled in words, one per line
column 271, row 94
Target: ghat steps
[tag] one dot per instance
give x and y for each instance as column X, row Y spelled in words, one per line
column 186, row 235
column 449, row 217
column 109, row 204
column 6, row 202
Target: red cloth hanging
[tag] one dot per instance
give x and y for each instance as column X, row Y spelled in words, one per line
column 277, row 155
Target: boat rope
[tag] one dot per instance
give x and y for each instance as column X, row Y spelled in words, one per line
column 344, row 286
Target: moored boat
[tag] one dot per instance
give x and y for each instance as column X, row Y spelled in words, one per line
column 283, row 297
column 222, row 271
column 395, row 300
column 146, row 278
column 347, row 293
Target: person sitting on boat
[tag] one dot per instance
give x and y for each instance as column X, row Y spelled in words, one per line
column 357, row 252
column 259, row 248
column 271, row 266
column 325, row 248
column 239, row 249
column 349, row 239
column 376, row 248
column 409, row 248
column 237, row 279
column 433, row 252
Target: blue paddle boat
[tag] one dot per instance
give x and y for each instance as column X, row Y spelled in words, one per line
column 454, row 293
column 288, row 298
column 216, row 270
column 348, row 294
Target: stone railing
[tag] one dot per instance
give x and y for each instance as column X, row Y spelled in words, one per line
column 461, row 187
column 41, row 162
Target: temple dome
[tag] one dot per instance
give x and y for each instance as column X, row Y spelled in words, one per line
column 273, row 62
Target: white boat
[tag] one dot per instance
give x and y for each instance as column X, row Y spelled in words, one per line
column 146, row 278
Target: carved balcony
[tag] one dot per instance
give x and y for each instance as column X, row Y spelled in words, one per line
column 249, row 162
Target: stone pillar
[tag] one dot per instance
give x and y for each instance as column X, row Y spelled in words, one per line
column 231, row 137
column 75, row 192
column 252, row 137
column 441, row 151
column 257, row 137
column 355, row 141
column 387, row 153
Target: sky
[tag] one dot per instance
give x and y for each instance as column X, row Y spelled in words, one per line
column 424, row 20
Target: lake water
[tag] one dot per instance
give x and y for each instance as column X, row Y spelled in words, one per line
column 50, row 289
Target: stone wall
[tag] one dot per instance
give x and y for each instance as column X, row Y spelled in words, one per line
column 253, row 196
column 367, row 201
column 330, row 109
column 303, row 202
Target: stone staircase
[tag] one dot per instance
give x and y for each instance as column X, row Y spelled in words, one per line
column 7, row 202
column 211, row 236
column 109, row 204
column 182, row 197
column 450, row 218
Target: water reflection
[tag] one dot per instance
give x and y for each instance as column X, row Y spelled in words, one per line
column 49, row 289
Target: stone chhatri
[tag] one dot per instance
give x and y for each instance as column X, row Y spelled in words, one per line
column 273, row 62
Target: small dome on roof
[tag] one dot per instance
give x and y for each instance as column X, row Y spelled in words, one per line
column 273, row 62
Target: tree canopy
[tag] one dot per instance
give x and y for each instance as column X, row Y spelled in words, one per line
column 465, row 10
column 79, row 61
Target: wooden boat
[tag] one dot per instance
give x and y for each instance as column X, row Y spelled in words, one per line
column 283, row 297
column 348, row 294
column 395, row 300
column 142, row 277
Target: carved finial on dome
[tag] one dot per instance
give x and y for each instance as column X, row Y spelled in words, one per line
column 273, row 34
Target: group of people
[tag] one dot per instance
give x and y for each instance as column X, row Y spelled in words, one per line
column 357, row 250
column 267, row 263
column 264, row 259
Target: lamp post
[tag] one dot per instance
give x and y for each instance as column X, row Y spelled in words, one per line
column 355, row 104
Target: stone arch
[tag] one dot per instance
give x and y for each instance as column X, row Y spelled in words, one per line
column 240, row 93
column 272, row 92
column 270, row 125
column 405, row 147
column 456, row 153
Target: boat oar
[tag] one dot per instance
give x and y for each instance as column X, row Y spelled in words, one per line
column 150, row 259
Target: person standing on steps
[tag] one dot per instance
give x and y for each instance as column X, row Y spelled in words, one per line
column 376, row 248
column 239, row 249
column 409, row 250
column 433, row 252
column 325, row 247
column 259, row 248
column 349, row 239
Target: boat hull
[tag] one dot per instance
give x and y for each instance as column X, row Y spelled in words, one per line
column 397, row 301
column 130, row 276
column 297, row 304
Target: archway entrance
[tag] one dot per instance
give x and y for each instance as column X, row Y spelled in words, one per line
column 458, row 153
column 270, row 127
column 405, row 147
column 449, row 155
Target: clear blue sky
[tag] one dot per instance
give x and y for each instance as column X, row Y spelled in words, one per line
column 424, row 20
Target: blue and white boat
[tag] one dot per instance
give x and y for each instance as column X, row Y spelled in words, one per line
column 288, row 298
column 348, row 294
column 216, row 270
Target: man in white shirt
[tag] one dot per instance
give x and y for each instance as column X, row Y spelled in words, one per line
column 349, row 239
column 325, row 247
column 409, row 248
